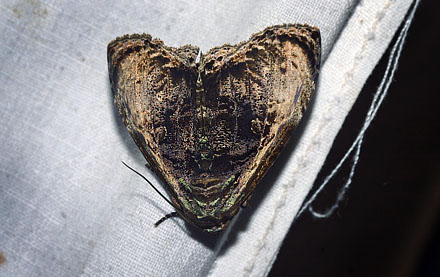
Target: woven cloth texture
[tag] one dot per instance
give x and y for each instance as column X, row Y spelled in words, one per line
column 68, row 207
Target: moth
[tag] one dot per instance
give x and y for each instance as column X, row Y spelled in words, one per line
column 211, row 125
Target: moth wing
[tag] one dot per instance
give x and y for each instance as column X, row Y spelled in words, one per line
column 153, row 90
column 257, row 92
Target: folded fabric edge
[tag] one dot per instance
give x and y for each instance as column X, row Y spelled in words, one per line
column 381, row 19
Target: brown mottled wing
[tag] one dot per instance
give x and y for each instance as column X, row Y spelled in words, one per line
column 153, row 89
column 256, row 93
column 212, row 130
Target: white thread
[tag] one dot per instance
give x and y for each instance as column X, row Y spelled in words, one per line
column 379, row 96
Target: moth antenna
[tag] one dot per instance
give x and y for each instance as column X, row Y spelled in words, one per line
column 173, row 214
column 143, row 177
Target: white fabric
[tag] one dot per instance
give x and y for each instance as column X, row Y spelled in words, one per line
column 68, row 206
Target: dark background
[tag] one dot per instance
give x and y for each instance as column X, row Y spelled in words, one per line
column 388, row 224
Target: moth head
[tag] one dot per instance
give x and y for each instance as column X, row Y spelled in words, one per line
column 210, row 225
column 209, row 215
column 208, row 203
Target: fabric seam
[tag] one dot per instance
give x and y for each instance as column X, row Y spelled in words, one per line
column 303, row 158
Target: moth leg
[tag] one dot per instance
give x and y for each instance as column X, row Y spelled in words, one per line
column 148, row 166
column 173, row 214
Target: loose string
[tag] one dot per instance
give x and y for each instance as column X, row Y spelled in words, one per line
column 378, row 98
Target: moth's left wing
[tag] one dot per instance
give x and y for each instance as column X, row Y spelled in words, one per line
column 153, row 87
